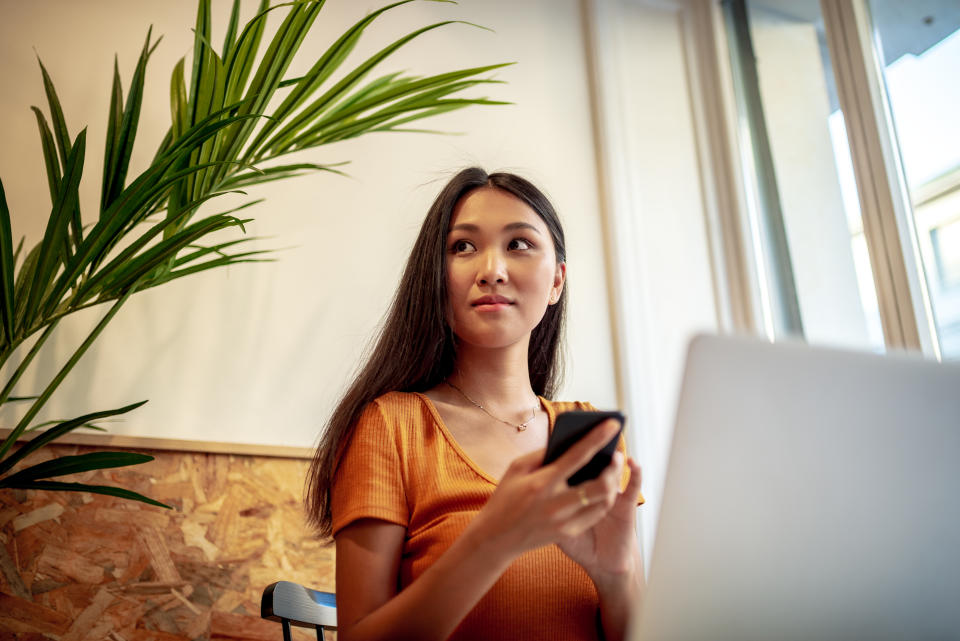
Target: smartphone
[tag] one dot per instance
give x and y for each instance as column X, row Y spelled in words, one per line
column 570, row 428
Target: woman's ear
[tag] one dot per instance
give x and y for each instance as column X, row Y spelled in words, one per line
column 558, row 279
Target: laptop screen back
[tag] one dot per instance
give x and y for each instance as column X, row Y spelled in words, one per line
column 810, row 494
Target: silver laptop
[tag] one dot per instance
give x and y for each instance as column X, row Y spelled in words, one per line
column 810, row 494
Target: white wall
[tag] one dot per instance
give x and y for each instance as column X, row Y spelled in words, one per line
column 658, row 229
column 259, row 353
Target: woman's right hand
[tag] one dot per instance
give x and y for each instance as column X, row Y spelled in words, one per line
column 533, row 505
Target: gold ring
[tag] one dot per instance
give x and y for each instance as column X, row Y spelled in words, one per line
column 583, row 497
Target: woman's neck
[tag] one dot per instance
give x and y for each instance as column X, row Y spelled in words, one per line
column 495, row 377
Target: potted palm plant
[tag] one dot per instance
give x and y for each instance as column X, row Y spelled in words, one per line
column 235, row 117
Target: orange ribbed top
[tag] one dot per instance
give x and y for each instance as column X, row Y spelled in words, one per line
column 403, row 465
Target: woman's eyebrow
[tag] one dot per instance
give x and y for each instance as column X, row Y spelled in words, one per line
column 520, row 225
column 470, row 227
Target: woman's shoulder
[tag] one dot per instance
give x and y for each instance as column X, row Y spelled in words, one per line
column 393, row 404
column 388, row 416
column 394, row 417
column 569, row 406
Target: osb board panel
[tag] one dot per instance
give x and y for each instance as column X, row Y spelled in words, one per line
column 77, row 566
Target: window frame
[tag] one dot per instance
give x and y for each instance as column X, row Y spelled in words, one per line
column 903, row 295
column 889, row 229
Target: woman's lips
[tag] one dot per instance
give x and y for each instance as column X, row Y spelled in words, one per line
column 491, row 307
column 491, row 303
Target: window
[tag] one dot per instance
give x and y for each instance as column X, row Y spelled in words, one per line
column 802, row 196
column 850, row 150
column 919, row 50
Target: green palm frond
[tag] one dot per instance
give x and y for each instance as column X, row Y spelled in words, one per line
column 57, row 486
column 233, row 113
column 34, row 477
column 52, row 433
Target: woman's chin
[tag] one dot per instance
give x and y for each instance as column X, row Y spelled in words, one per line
column 493, row 340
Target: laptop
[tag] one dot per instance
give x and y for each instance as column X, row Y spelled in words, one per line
column 810, row 494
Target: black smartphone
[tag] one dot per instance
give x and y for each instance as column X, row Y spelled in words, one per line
column 570, row 428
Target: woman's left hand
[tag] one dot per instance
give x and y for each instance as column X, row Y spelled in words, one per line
column 609, row 551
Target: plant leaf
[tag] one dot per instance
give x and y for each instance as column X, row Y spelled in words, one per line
column 125, row 260
column 243, row 54
column 56, row 432
column 114, row 122
column 229, row 40
column 328, row 63
column 165, row 250
column 56, row 486
column 55, row 234
column 75, row 464
column 387, row 117
column 277, row 173
column 55, row 382
column 214, row 249
column 178, row 100
column 426, row 101
column 435, row 86
column 49, row 154
column 40, row 426
column 201, row 59
column 217, row 249
column 272, row 67
column 62, row 135
column 215, row 113
column 6, row 268
column 210, row 264
column 22, row 284
column 19, row 371
column 125, row 135
column 135, row 203
column 16, row 252
column 348, row 82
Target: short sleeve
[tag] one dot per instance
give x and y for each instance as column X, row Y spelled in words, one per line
column 622, row 447
column 369, row 478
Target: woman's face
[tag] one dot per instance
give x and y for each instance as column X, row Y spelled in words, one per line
column 502, row 269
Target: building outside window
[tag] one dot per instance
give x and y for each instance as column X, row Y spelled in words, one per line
column 802, row 196
column 919, row 46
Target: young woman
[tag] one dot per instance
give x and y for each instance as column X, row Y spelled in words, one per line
column 429, row 476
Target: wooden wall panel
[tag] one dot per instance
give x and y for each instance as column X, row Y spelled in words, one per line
column 77, row 566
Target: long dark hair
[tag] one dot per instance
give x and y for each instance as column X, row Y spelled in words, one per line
column 415, row 349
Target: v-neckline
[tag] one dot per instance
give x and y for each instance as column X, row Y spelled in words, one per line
column 428, row 403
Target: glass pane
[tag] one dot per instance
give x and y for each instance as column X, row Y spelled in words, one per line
column 919, row 44
column 806, row 216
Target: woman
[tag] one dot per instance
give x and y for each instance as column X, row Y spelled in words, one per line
column 429, row 475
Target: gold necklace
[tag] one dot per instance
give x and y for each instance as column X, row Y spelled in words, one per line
column 520, row 426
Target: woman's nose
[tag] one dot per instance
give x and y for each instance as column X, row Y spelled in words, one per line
column 493, row 269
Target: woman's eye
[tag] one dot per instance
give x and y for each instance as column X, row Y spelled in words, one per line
column 520, row 243
column 461, row 246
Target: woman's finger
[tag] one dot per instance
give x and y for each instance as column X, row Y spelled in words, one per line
column 627, row 501
column 636, row 477
column 585, row 519
column 583, row 450
column 587, row 495
column 606, row 487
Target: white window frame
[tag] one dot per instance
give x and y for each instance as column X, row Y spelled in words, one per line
column 905, row 309
column 742, row 304
column 904, row 301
